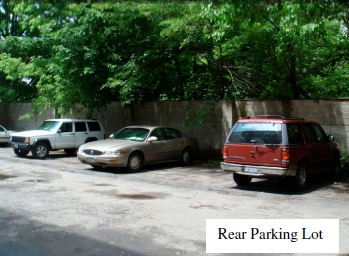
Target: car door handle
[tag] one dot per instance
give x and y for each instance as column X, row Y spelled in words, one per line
column 72, row 134
column 86, row 132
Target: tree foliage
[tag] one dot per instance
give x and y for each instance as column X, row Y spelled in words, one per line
column 94, row 52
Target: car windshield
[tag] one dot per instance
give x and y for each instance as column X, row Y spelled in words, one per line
column 258, row 133
column 135, row 134
column 48, row 125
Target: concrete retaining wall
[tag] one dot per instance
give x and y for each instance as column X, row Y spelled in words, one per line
column 332, row 114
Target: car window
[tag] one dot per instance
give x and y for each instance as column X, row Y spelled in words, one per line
column 294, row 134
column 320, row 133
column 172, row 134
column 67, row 127
column 1, row 129
column 94, row 126
column 48, row 125
column 136, row 134
column 259, row 133
column 158, row 134
column 310, row 133
column 80, row 127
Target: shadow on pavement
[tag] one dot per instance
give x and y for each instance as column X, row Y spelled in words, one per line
column 21, row 235
column 282, row 186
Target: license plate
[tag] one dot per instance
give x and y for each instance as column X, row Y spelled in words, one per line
column 251, row 169
column 90, row 160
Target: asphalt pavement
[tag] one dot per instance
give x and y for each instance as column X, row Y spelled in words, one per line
column 59, row 206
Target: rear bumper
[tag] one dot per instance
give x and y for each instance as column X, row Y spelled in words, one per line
column 263, row 171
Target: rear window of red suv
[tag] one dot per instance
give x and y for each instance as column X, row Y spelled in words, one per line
column 256, row 133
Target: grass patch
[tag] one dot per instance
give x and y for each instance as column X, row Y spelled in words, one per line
column 208, row 162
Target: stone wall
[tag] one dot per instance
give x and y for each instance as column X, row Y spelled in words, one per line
column 332, row 114
column 11, row 113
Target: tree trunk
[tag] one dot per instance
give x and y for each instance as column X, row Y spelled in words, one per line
column 292, row 78
column 221, row 84
column 180, row 77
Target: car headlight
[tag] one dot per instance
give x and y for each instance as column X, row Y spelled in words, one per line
column 80, row 150
column 27, row 140
column 114, row 152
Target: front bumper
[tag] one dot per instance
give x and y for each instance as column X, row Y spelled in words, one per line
column 103, row 160
column 20, row 146
column 263, row 171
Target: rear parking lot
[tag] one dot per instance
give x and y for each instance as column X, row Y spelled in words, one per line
column 59, row 206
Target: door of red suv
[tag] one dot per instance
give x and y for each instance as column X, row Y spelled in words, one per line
column 318, row 147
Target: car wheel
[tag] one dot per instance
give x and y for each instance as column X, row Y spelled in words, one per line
column 70, row 151
column 21, row 153
column 135, row 162
column 241, row 180
column 186, row 156
column 335, row 167
column 40, row 150
column 301, row 179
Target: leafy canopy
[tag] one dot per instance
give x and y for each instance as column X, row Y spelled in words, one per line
column 94, row 52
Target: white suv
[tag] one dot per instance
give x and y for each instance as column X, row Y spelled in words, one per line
column 55, row 134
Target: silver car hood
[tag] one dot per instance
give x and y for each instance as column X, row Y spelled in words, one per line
column 102, row 145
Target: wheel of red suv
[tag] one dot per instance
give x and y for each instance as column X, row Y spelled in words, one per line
column 301, row 179
column 241, row 180
column 335, row 167
column 135, row 162
column 40, row 150
column 186, row 156
column 21, row 153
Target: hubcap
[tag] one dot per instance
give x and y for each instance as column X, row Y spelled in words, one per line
column 302, row 176
column 134, row 162
column 186, row 157
column 41, row 151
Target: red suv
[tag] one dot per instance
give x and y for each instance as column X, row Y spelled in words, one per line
column 279, row 146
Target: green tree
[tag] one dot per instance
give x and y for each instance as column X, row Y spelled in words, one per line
column 95, row 52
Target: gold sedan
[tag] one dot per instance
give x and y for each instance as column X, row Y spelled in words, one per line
column 135, row 146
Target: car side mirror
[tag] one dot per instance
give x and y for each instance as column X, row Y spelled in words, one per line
column 330, row 137
column 59, row 131
column 152, row 138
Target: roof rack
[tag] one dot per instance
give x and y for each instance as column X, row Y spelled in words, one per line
column 277, row 116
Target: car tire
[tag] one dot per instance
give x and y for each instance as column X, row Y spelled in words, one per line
column 70, row 151
column 40, row 150
column 21, row 153
column 96, row 167
column 299, row 182
column 241, row 180
column 186, row 156
column 135, row 162
column 335, row 170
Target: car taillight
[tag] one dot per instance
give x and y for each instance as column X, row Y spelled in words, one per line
column 225, row 151
column 285, row 155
